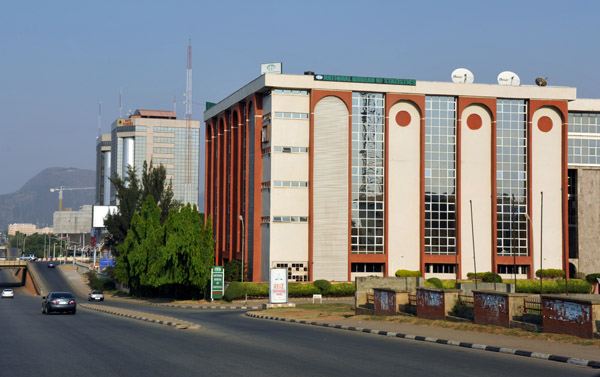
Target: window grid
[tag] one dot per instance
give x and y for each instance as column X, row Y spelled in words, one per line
column 291, row 115
column 587, row 123
column 291, row 149
column 440, row 175
column 368, row 126
column 290, row 219
column 290, row 184
column 511, row 172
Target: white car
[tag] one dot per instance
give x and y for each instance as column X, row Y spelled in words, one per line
column 8, row 293
column 96, row 296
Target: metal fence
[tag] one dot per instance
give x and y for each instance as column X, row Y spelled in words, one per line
column 412, row 300
column 466, row 300
column 533, row 305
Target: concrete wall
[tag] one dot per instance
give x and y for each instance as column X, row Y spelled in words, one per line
column 588, row 213
column 497, row 308
column 366, row 285
column 565, row 315
column 468, row 288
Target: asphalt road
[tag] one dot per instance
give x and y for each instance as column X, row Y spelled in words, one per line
column 230, row 344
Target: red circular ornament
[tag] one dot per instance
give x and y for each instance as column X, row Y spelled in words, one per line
column 403, row 118
column 545, row 124
column 474, row 121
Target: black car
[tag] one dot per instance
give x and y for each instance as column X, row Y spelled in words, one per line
column 51, row 265
column 59, row 302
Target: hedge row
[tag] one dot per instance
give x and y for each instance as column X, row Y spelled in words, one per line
column 237, row 290
column 554, row 286
column 591, row 278
column 550, row 273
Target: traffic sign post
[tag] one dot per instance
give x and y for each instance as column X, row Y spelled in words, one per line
column 217, row 278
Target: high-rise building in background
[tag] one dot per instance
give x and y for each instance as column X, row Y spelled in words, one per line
column 157, row 136
column 103, row 158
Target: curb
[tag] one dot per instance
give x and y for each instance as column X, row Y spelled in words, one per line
column 562, row 359
column 220, row 307
column 182, row 325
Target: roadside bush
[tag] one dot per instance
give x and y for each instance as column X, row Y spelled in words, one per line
column 471, row 275
column 99, row 284
column 550, row 273
column 591, row 278
column 302, row 289
column 323, row 286
column 435, row 282
column 234, row 291
column 449, row 284
column 342, row 290
column 408, row 273
column 490, row 277
column 554, row 286
column 579, row 275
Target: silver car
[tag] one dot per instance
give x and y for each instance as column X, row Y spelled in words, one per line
column 59, row 302
column 96, row 296
column 8, row 293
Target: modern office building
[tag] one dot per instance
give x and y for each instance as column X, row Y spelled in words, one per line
column 103, row 158
column 157, row 136
column 342, row 176
column 584, row 185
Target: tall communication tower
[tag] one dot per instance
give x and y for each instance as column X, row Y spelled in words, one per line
column 188, row 119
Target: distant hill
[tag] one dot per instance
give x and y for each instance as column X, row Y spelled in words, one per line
column 35, row 204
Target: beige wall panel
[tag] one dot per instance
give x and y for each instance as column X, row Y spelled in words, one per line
column 476, row 186
column 292, row 103
column 289, row 201
column 290, row 132
column 546, row 176
column 404, row 196
column 289, row 241
column 289, row 166
column 330, row 190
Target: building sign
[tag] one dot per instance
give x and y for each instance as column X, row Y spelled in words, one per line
column 366, row 80
column 125, row 122
column 105, row 262
column 270, row 68
column 217, row 278
column 278, row 286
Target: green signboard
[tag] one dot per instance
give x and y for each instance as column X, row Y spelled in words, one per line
column 366, row 80
column 217, row 279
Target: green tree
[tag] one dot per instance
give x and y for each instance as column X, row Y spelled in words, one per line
column 131, row 194
column 140, row 249
column 188, row 253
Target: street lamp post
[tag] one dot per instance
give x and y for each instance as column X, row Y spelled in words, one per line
column 531, row 227
column 242, row 220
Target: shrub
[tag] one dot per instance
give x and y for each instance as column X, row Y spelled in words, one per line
column 554, row 286
column 323, row 286
column 490, row 277
column 408, row 273
column 99, row 284
column 342, row 290
column 471, row 275
column 579, row 275
column 550, row 273
column 591, row 278
column 234, row 290
column 435, row 282
column 449, row 284
column 302, row 289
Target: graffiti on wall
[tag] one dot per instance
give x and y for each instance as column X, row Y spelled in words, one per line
column 431, row 298
column 493, row 303
column 567, row 311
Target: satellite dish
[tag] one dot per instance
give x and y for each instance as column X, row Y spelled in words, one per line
column 462, row 76
column 541, row 81
column 509, row 78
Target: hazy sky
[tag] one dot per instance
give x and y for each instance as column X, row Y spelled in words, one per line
column 58, row 59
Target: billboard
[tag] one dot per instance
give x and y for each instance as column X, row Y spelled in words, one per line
column 99, row 214
column 278, row 286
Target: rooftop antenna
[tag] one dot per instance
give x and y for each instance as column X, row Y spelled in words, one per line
column 120, row 103
column 462, row 76
column 175, row 105
column 188, row 120
column 541, row 81
column 99, row 119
